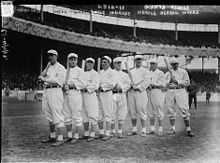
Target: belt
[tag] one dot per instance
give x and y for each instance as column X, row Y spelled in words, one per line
column 149, row 88
column 105, row 91
column 84, row 91
column 71, row 88
column 117, row 91
column 52, row 86
column 176, row 87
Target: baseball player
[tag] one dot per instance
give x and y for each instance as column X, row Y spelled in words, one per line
column 119, row 96
column 177, row 80
column 90, row 101
column 137, row 95
column 73, row 98
column 155, row 106
column 52, row 102
column 107, row 83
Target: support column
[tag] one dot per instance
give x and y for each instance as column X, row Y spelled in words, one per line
column 176, row 32
column 219, row 69
column 41, row 60
column 42, row 42
column 219, row 33
column 135, row 34
column 202, row 64
column 42, row 13
column 90, row 23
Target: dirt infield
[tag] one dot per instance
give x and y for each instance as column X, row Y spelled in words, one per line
column 24, row 126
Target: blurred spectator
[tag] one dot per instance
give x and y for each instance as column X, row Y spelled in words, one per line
column 192, row 91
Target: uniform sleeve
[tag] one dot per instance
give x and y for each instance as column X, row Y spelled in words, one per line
column 167, row 78
column 94, row 84
column 110, row 82
column 80, row 82
column 184, row 81
column 161, row 80
column 59, row 78
column 145, row 82
column 126, row 83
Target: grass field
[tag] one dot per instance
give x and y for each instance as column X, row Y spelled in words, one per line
column 24, row 126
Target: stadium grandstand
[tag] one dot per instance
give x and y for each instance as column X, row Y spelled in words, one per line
column 190, row 32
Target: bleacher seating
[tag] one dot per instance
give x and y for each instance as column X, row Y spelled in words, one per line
column 156, row 37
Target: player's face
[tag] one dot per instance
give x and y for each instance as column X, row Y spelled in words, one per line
column 105, row 64
column 52, row 58
column 73, row 61
column 153, row 66
column 175, row 66
column 89, row 65
column 117, row 66
column 138, row 62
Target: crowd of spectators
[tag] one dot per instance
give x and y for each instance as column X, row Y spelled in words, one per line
column 156, row 37
column 19, row 79
column 206, row 81
column 26, row 80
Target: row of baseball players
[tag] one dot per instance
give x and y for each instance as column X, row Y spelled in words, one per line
column 74, row 97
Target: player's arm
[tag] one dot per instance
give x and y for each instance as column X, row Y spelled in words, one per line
column 79, row 83
column 160, row 82
column 59, row 78
column 184, row 81
column 110, row 84
column 94, row 84
column 126, row 83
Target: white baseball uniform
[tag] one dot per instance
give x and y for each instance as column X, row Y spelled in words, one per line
column 155, row 105
column 90, row 101
column 137, row 99
column 73, row 98
column 52, row 101
column 119, row 98
column 177, row 95
column 107, row 83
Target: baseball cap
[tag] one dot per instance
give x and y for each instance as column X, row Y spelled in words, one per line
column 52, row 52
column 90, row 59
column 72, row 55
column 117, row 59
column 107, row 58
column 174, row 60
column 138, row 57
column 154, row 60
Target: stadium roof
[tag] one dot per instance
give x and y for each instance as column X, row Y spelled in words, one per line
column 192, row 14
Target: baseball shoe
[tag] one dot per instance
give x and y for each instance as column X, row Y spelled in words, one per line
column 84, row 138
column 68, row 140
column 106, row 137
column 74, row 141
column 133, row 133
column 49, row 140
column 113, row 134
column 120, row 136
column 160, row 133
column 143, row 135
column 91, row 139
column 100, row 136
column 172, row 132
column 190, row 133
column 58, row 143
column 151, row 132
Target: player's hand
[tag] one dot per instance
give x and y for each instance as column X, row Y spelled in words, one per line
column 100, row 89
column 41, row 78
column 65, row 87
column 84, row 89
column 117, row 87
